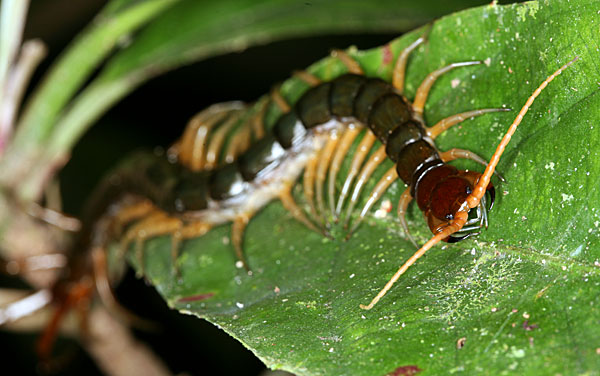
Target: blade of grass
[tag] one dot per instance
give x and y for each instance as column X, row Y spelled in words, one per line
column 66, row 77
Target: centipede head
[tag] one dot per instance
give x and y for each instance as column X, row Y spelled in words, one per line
column 447, row 195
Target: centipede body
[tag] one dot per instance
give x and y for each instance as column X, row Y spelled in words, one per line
column 200, row 183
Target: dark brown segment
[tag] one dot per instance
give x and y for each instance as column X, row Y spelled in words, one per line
column 260, row 155
column 388, row 113
column 190, row 193
column 313, row 106
column 403, row 135
column 143, row 174
column 412, row 157
column 288, row 129
column 226, row 182
column 368, row 94
column 428, row 181
column 344, row 90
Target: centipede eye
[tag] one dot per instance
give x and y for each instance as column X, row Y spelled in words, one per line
column 449, row 216
column 468, row 190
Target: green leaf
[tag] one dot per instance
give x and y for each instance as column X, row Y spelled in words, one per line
column 523, row 296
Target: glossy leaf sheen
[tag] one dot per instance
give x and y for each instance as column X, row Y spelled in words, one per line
column 523, row 295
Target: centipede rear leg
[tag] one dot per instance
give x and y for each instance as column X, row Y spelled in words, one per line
column 191, row 150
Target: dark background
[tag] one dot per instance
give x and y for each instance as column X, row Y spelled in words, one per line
column 156, row 114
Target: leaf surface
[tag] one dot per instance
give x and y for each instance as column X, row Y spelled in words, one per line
column 520, row 298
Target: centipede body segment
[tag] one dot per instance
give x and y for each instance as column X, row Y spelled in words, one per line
column 220, row 172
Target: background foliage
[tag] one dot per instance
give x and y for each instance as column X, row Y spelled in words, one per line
column 522, row 294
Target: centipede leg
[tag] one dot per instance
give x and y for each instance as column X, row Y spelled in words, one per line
column 288, row 202
column 322, row 167
column 156, row 225
column 361, row 153
column 375, row 160
column 309, row 184
column 217, row 140
column 350, row 63
column 473, row 199
column 445, row 124
column 238, row 144
column 423, row 90
column 341, row 151
column 278, row 99
column 106, row 294
column 191, row 147
column 456, row 153
column 400, row 67
column 405, row 199
column 186, row 231
column 237, row 237
column 130, row 213
column 257, row 123
column 390, row 176
column 307, row 77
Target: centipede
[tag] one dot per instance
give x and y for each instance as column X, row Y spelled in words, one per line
column 202, row 181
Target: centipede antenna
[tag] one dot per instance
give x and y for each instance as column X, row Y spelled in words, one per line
column 474, row 199
column 430, row 243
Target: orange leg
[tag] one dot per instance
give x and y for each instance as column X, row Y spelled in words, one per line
column 352, row 65
column 238, row 144
column 309, row 184
column 400, row 67
column 258, row 126
column 130, row 213
column 288, row 202
column 237, row 237
column 214, row 148
column 278, row 99
column 390, row 176
column 428, row 82
column 191, row 147
column 156, row 225
column 341, row 151
column 376, row 159
column 461, row 216
column 105, row 291
column 456, row 153
column 444, row 124
column 405, row 199
column 309, row 78
column 361, row 153
column 322, row 167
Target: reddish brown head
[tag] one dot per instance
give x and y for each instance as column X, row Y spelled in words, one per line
column 441, row 192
